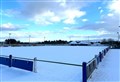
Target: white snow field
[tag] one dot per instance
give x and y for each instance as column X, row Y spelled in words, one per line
column 49, row 72
column 109, row 69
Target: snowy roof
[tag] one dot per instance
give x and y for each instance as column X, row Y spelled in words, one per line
column 74, row 42
column 79, row 42
column 84, row 42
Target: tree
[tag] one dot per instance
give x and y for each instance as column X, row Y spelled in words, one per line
column 11, row 41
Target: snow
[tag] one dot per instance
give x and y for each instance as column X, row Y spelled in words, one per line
column 68, row 54
column 49, row 72
column 109, row 69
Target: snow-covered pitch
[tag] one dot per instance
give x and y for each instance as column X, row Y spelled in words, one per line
column 48, row 71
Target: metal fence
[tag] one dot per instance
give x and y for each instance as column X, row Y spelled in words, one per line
column 22, row 63
column 89, row 67
column 30, row 64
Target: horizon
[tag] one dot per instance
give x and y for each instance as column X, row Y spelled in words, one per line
column 40, row 20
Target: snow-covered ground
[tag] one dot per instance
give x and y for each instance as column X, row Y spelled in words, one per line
column 109, row 69
column 69, row 54
column 49, row 72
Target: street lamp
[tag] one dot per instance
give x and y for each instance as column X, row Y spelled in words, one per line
column 118, row 33
column 9, row 39
column 44, row 38
column 29, row 39
column 9, row 35
column 88, row 39
column 118, row 36
column 70, row 38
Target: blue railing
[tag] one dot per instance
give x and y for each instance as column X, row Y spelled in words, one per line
column 21, row 63
column 89, row 67
column 30, row 64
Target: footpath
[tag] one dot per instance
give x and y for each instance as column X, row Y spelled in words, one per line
column 109, row 69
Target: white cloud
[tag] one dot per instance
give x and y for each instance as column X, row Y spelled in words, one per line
column 84, row 20
column 9, row 12
column 49, row 12
column 101, row 11
column 110, row 14
column 114, row 6
column 9, row 26
column 55, row 19
column 100, row 22
column 72, row 14
column 99, row 8
column 69, row 21
column 13, row 27
column 102, row 32
column 66, row 28
column 50, row 17
column 35, row 35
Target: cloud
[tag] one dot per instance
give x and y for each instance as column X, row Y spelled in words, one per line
column 66, row 28
column 72, row 14
column 108, row 23
column 35, row 35
column 10, row 27
column 105, row 28
column 100, row 10
column 84, row 20
column 93, row 37
column 53, row 11
column 114, row 6
column 110, row 14
column 9, row 12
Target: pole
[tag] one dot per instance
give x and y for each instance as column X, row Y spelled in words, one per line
column 84, row 72
column 10, row 60
column 70, row 38
column 88, row 39
column 118, row 36
column 9, row 39
column 35, row 65
column 44, row 38
column 29, row 39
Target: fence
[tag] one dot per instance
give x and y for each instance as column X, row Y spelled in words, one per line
column 89, row 67
column 22, row 63
column 30, row 64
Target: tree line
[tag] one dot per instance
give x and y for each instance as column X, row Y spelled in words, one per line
column 14, row 41
column 55, row 42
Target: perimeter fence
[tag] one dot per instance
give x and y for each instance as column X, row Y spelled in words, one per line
column 30, row 64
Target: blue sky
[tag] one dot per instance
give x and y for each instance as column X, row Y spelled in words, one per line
column 59, row 19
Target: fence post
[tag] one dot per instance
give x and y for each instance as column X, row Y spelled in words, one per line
column 35, row 65
column 100, row 55
column 96, row 61
column 104, row 52
column 10, row 60
column 84, row 72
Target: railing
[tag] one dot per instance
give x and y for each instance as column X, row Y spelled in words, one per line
column 30, row 64
column 89, row 67
column 22, row 63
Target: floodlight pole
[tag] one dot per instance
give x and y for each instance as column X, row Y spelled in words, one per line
column 29, row 39
column 9, row 39
column 118, row 33
column 44, row 38
column 70, row 38
column 88, row 39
